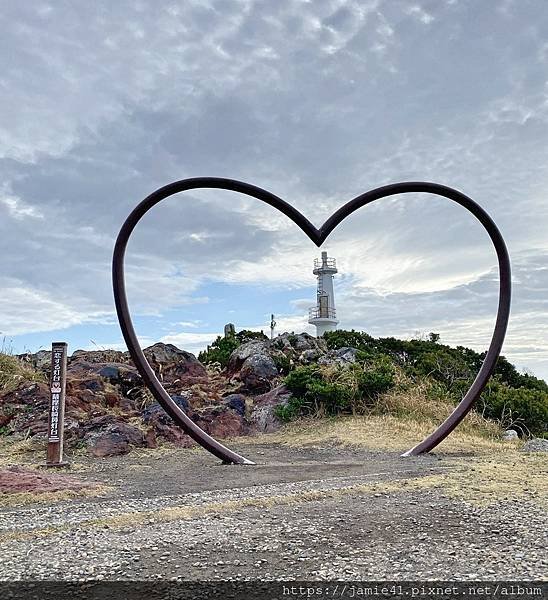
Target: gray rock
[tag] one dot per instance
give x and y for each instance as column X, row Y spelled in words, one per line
column 257, row 372
column 40, row 361
column 341, row 356
column 263, row 415
column 510, row 435
column 535, row 445
column 155, row 413
column 245, row 351
column 308, row 356
column 299, row 342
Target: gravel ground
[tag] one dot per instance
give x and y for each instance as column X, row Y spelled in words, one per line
column 303, row 514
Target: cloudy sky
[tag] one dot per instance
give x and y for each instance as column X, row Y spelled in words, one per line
column 317, row 101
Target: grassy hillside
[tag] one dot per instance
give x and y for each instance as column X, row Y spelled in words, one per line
column 412, row 378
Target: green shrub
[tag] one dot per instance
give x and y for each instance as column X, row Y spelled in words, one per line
column 342, row 338
column 219, row 351
column 444, row 366
column 283, row 363
column 374, row 378
column 329, row 390
column 521, row 408
column 313, row 394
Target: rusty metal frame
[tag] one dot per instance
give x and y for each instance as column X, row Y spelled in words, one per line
column 318, row 236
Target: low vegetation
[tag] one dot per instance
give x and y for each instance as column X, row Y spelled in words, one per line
column 413, row 378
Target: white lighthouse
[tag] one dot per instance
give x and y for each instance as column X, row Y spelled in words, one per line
column 323, row 315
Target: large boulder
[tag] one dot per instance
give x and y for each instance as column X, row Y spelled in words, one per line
column 221, row 421
column 257, row 372
column 263, row 414
column 116, row 439
column 245, row 351
column 174, row 365
column 254, row 364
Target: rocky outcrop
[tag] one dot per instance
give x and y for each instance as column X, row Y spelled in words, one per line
column 295, row 344
column 108, row 408
column 110, row 411
column 258, row 364
column 257, row 373
column 174, row 365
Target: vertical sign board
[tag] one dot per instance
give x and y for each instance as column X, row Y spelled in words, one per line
column 57, row 405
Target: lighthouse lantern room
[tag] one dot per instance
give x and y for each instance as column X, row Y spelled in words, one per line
column 323, row 315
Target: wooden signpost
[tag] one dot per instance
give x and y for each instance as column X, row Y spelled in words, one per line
column 57, row 405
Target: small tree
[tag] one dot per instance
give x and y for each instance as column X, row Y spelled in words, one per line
column 219, row 351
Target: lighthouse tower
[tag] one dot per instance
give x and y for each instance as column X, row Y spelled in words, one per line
column 323, row 315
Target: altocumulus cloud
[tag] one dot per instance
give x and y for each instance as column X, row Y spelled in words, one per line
column 316, row 101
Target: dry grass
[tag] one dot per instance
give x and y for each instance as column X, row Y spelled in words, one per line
column 21, row 451
column 13, row 370
column 399, row 420
column 415, row 401
column 388, row 433
column 23, row 498
column 508, row 476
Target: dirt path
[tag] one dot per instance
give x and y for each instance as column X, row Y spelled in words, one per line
column 301, row 513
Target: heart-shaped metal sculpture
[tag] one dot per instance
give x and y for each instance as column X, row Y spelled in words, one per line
column 318, row 236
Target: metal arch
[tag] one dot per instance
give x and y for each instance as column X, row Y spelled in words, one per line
column 318, row 236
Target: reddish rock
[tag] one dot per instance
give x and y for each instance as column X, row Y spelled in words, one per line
column 19, row 479
column 174, row 434
column 150, row 438
column 5, row 418
column 34, row 395
column 109, row 444
column 116, row 439
column 227, row 424
column 220, row 421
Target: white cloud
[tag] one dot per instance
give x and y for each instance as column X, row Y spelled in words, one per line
column 26, row 310
column 316, row 101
